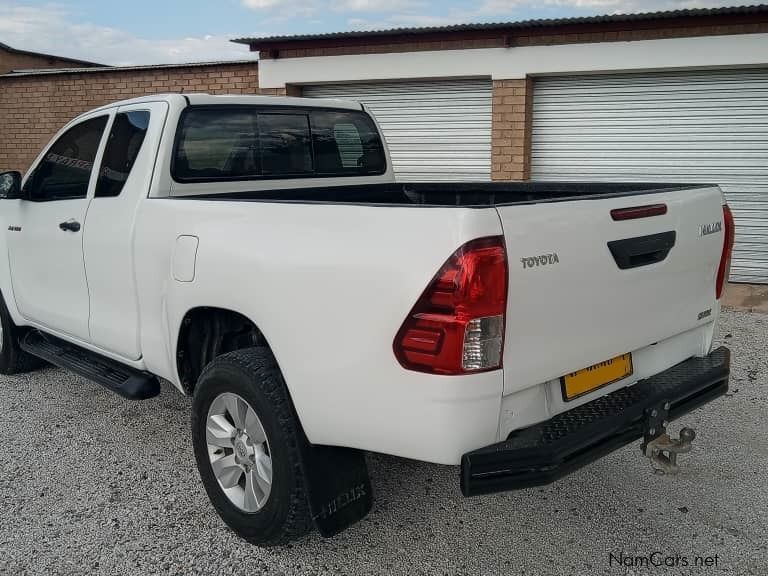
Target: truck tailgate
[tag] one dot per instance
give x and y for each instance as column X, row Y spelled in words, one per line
column 570, row 303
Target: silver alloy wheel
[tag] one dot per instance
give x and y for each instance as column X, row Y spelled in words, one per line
column 239, row 452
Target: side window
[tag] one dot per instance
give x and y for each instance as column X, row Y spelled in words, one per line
column 285, row 144
column 346, row 144
column 125, row 140
column 66, row 169
column 217, row 144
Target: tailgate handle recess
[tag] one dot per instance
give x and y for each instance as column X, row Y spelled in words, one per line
column 642, row 250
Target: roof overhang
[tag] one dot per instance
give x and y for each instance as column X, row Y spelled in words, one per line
column 508, row 31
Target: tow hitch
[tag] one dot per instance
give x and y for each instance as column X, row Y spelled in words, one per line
column 658, row 447
column 545, row 452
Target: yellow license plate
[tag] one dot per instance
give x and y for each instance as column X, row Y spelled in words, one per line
column 601, row 374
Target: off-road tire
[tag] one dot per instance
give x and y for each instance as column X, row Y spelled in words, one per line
column 253, row 374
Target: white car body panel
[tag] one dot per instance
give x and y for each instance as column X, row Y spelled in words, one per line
column 551, row 306
column 336, row 352
column 47, row 269
column 109, row 258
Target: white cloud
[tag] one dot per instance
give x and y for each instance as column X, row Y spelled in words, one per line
column 407, row 20
column 280, row 10
column 261, row 4
column 51, row 29
column 376, row 5
column 292, row 9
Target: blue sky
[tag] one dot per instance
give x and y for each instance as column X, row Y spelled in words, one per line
column 166, row 31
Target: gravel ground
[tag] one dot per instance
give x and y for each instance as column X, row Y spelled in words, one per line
column 90, row 483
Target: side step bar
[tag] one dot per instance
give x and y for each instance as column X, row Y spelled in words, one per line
column 114, row 376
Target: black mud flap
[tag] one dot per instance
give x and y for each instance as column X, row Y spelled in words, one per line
column 339, row 487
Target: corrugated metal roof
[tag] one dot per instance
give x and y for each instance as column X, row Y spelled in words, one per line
column 44, row 71
column 53, row 56
column 539, row 23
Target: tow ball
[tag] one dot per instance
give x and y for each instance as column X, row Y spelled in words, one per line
column 658, row 447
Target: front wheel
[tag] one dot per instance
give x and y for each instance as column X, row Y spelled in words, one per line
column 246, row 436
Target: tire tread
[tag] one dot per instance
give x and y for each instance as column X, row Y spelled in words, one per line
column 261, row 365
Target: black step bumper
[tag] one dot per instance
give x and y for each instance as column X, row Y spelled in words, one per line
column 547, row 451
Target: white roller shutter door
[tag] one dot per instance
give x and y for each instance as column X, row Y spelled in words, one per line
column 702, row 126
column 436, row 130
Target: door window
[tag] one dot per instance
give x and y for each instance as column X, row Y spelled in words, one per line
column 125, row 140
column 65, row 170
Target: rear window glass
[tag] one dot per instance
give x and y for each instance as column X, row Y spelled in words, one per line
column 237, row 143
column 346, row 143
column 285, row 144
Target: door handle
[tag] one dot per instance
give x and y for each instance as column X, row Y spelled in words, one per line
column 70, row 226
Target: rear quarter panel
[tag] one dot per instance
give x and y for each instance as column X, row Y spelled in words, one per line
column 329, row 286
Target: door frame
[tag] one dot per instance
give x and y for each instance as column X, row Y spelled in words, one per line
column 27, row 205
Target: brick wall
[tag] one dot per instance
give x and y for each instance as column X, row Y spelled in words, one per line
column 34, row 107
column 511, row 129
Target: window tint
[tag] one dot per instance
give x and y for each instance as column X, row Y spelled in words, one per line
column 217, row 143
column 65, row 170
column 240, row 143
column 346, row 143
column 285, row 144
column 123, row 145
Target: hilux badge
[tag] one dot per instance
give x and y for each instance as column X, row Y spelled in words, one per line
column 707, row 229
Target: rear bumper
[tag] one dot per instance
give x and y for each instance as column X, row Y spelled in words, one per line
column 547, row 451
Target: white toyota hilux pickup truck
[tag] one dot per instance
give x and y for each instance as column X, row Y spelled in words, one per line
column 257, row 253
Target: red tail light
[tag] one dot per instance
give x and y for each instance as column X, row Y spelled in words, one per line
column 729, row 234
column 457, row 325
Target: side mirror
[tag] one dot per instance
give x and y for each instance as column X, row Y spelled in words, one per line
column 10, row 185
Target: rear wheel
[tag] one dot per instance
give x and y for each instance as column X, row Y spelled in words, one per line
column 238, row 450
column 13, row 359
column 245, row 436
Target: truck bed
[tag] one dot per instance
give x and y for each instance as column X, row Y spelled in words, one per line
column 444, row 194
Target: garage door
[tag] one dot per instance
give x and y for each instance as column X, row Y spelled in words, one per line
column 707, row 126
column 435, row 130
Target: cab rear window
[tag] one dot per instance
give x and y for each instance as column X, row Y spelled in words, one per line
column 246, row 143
